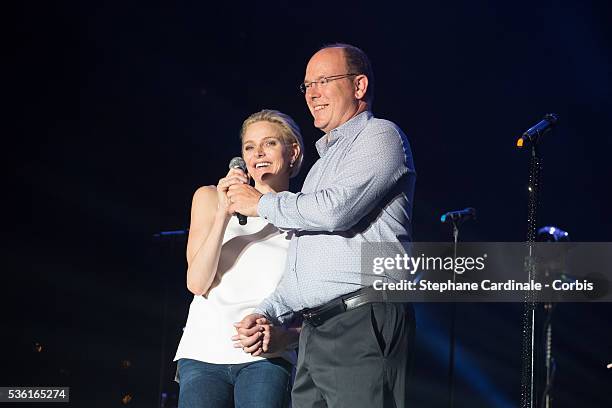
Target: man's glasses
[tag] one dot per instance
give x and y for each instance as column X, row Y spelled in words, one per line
column 322, row 81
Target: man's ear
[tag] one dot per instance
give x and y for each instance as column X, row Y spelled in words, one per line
column 361, row 86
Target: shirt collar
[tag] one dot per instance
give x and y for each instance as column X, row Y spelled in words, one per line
column 350, row 127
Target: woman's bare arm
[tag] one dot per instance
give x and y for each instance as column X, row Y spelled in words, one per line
column 209, row 218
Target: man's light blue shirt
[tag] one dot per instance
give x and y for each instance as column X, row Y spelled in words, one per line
column 359, row 191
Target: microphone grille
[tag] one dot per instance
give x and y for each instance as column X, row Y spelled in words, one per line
column 237, row 162
column 552, row 118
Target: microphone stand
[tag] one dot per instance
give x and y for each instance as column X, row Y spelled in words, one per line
column 528, row 351
column 532, row 137
column 174, row 238
column 453, row 317
column 549, row 361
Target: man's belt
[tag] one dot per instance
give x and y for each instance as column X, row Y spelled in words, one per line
column 319, row 315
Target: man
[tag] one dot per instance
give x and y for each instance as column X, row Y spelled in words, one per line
column 354, row 347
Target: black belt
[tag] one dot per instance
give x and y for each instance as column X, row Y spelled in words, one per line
column 319, row 315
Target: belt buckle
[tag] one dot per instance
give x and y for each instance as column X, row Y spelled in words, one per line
column 309, row 317
column 325, row 312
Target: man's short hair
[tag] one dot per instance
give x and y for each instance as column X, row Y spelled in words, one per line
column 357, row 62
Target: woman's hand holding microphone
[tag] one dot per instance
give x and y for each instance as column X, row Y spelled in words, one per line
column 234, row 176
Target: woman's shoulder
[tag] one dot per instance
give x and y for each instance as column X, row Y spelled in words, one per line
column 205, row 197
column 205, row 191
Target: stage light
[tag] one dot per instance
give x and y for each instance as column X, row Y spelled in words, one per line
column 127, row 398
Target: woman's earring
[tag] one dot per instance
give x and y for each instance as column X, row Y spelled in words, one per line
column 291, row 164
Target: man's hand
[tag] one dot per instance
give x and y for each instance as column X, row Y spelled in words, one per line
column 256, row 335
column 250, row 334
column 234, row 176
column 243, row 199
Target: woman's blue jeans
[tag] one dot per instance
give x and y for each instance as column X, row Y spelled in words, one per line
column 262, row 384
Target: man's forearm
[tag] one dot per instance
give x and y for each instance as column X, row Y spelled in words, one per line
column 343, row 197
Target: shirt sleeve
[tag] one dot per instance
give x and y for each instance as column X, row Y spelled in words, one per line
column 369, row 170
column 274, row 306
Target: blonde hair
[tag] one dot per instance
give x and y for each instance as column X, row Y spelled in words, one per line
column 290, row 132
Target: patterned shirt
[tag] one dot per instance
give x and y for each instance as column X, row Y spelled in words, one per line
column 359, row 191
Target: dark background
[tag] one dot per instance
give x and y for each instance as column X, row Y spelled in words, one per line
column 118, row 111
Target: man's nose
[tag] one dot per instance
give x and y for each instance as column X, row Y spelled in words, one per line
column 313, row 91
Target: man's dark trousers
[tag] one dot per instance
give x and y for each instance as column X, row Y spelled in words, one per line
column 359, row 358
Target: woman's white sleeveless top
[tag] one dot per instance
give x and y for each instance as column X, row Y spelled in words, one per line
column 251, row 264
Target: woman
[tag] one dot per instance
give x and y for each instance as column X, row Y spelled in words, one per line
column 231, row 268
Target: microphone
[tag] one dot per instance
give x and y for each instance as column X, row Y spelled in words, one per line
column 534, row 133
column 239, row 163
column 460, row 215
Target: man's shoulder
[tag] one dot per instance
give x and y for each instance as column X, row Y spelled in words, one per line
column 374, row 121
column 382, row 128
column 384, row 138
